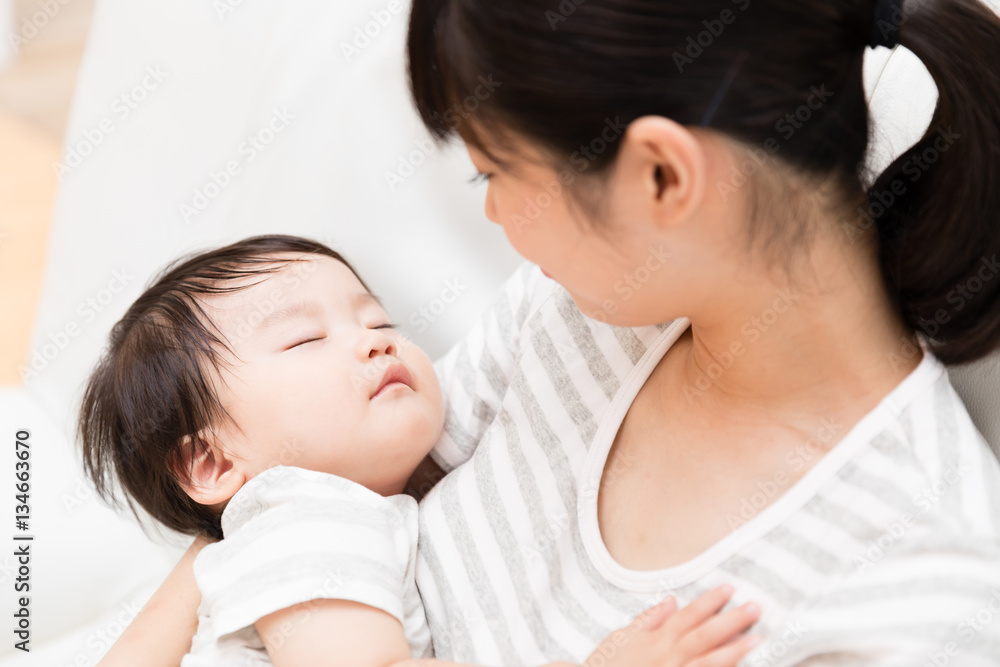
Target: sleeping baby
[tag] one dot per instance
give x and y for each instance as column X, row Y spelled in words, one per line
column 258, row 394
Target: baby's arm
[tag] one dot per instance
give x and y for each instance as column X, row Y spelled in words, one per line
column 161, row 633
column 332, row 632
column 337, row 632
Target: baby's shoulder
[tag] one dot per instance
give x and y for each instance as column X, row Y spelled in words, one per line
column 284, row 495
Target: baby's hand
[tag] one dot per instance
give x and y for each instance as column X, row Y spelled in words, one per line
column 696, row 636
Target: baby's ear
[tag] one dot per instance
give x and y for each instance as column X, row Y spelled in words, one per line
column 205, row 471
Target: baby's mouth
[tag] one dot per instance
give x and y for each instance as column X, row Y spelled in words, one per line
column 395, row 376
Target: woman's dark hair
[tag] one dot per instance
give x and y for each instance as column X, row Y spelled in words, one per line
column 781, row 77
column 153, row 385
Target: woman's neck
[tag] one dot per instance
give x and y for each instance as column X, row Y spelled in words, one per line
column 827, row 342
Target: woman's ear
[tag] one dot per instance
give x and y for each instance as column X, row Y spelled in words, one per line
column 205, row 471
column 668, row 165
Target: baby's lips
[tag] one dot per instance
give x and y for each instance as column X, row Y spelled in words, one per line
column 395, row 372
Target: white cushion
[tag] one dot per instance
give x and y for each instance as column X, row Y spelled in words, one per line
column 7, row 50
column 85, row 560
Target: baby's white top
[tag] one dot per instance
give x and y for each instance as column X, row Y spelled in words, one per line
column 293, row 535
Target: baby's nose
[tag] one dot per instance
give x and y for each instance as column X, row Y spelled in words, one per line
column 387, row 348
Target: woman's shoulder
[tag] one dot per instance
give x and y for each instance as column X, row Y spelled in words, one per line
column 920, row 501
column 932, row 452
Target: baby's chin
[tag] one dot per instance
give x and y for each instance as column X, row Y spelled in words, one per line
column 393, row 462
column 380, row 457
column 409, row 417
column 410, row 440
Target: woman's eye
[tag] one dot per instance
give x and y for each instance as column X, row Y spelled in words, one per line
column 479, row 177
column 385, row 326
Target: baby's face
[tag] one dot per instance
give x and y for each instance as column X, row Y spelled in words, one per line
column 313, row 348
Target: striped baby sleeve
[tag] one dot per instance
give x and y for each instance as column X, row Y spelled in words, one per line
column 476, row 372
column 295, row 535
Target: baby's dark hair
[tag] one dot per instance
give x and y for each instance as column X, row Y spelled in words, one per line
column 152, row 387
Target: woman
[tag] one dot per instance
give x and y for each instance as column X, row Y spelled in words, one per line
column 734, row 335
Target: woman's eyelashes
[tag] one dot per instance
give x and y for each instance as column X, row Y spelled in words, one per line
column 479, row 177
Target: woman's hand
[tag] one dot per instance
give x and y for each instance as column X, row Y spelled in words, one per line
column 161, row 634
column 696, row 636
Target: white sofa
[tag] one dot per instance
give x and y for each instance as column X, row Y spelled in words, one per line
column 166, row 95
column 6, row 28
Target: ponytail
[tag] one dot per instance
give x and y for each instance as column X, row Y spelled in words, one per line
column 939, row 241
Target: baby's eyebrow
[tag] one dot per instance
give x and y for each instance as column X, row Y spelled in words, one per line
column 297, row 309
column 306, row 308
column 364, row 298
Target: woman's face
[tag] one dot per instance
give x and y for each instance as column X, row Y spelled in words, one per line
column 643, row 262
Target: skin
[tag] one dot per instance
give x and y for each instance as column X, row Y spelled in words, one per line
column 703, row 451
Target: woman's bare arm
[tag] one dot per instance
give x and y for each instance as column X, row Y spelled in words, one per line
column 161, row 634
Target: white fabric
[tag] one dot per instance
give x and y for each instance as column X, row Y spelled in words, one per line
column 875, row 555
column 295, row 535
column 91, row 570
column 7, row 50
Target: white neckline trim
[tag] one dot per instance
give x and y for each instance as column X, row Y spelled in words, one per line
column 648, row 581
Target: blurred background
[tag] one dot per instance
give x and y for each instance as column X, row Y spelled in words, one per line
column 36, row 90
column 135, row 131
